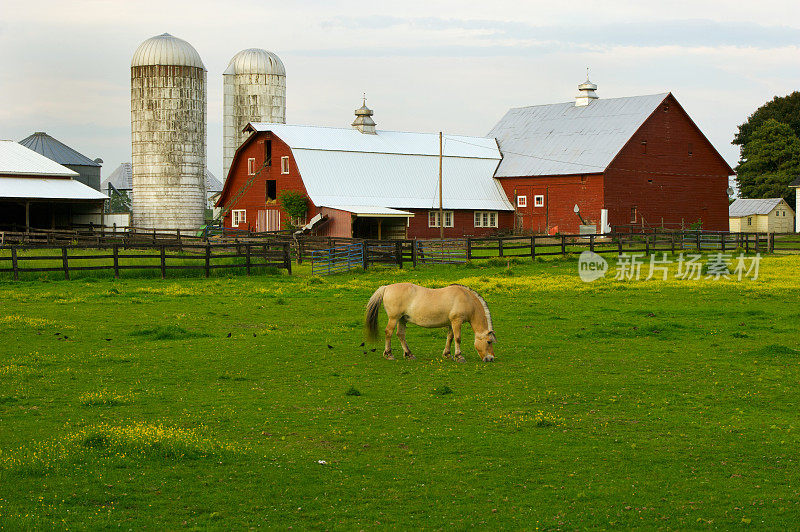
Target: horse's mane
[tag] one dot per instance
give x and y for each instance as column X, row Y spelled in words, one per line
column 485, row 306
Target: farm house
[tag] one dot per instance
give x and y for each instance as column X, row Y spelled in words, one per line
column 627, row 163
column 796, row 186
column 38, row 192
column 769, row 215
column 364, row 182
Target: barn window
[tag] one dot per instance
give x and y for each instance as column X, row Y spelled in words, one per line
column 633, row 214
column 644, row 146
column 272, row 190
column 522, row 201
column 485, row 219
column 251, row 166
column 538, row 201
column 284, row 165
column 238, row 217
column 690, row 149
column 433, row 219
column 750, row 220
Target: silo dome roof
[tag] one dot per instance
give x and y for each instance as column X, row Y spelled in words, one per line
column 255, row 61
column 165, row 49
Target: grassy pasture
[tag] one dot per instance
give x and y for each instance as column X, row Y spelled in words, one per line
column 218, row 403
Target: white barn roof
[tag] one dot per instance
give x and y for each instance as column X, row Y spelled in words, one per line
column 749, row 207
column 564, row 138
column 344, row 168
column 47, row 189
column 16, row 159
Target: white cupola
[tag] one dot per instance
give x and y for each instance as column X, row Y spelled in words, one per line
column 586, row 92
column 364, row 122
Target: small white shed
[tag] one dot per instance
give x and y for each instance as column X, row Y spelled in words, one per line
column 768, row 215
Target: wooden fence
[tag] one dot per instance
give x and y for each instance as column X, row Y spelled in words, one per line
column 205, row 257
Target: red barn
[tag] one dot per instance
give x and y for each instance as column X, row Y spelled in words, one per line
column 366, row 183
column 624, row 161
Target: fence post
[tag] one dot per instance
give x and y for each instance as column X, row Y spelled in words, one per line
column 116, row 261
column 154, row 235
column 178, row 234
column 591, row 243
column 299, row 251
column 14, row 262
column 208, row 259
column 469, row 248
column 398, row 252
column 247, row 262
column 533, row 248
column 698, row 242
column 563, row 246
column 672, row 242
column 722, row 241
column 619, row 243
column 364, row 258
column 500, row 246
column 746, row 243
column 414, row 253
column 65, row 262
column 758, row 242
column 287, row 259
column 163, row 262
column 646, row 244
column 771, row 243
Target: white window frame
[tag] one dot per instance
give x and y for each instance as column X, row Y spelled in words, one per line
column 538, row 200
column 522, row 201
column 251, row 166
column 433, row 218
column 285, row 164
column 485, row 218
column 238, row 216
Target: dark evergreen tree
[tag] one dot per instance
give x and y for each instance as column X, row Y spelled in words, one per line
column 770, row 160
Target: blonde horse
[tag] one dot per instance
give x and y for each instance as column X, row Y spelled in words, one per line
column 450, row 306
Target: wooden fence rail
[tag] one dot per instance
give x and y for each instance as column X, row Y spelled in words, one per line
column 162, row 257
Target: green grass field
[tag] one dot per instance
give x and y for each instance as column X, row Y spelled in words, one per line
column 218, row 404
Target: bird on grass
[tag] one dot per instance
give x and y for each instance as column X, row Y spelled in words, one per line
column 229, row 335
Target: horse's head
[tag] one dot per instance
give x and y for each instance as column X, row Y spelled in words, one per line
column 483, row 343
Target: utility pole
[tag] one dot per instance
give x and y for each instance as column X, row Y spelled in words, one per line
column 441, row 208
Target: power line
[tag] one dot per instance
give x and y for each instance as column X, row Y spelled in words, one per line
column 602, row 168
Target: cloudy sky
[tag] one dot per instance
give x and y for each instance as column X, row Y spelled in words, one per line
column 455, row 66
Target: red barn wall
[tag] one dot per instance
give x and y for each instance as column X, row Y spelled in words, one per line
column 339, row 224
column 255, row 198
column 561, row 194
column 663, row 180
column 463, row 224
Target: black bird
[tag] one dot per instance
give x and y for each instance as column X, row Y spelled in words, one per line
column 57, row 334
column 108, row 339
column 254, row 335
column 65, row 337
column 373, row 350
column 365, row 352
column 330, row 346
column 362, row 344
column 229, row 335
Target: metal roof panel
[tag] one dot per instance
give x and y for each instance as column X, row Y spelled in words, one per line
column 46, row 188
column 564, row 138
column 16, row 159
column 55, row 150
column 749, row 207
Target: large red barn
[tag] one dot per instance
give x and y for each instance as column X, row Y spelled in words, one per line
column 366, row 183
column 640, row 159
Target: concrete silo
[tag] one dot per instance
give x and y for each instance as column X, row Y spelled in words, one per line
column 168, row 129
column 254, row 91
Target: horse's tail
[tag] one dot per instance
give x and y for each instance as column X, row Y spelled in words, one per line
column 371, row 318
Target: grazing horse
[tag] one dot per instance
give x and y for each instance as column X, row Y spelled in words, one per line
column 450, row 307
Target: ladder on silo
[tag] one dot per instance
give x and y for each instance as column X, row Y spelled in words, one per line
column 241, row 192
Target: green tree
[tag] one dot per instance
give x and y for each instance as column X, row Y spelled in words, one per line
column 770, row 160
column 118, row 202
column 784, row 109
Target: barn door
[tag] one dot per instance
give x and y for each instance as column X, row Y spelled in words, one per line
column 268, row 220
column 534, row 212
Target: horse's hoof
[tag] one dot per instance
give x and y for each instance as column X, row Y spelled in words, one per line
column 409, row 356
column 388, row 356
column 460, row 358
